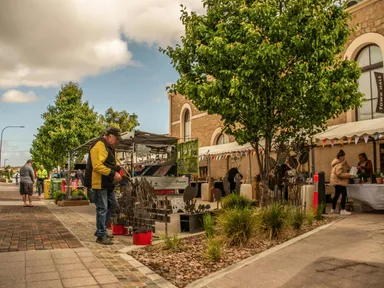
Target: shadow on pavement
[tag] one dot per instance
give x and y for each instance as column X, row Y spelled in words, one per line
column 334, row 272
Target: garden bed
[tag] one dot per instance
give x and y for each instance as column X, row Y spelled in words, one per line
column 191, row 264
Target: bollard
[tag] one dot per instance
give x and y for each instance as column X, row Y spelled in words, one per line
column 316, row 192
column 321, row 190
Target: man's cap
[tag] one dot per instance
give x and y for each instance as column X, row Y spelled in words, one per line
column 115, row 132
column 29, row 161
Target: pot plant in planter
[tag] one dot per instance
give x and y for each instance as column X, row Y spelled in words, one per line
column 118, row 224
column 192, row 221
column 379, row 178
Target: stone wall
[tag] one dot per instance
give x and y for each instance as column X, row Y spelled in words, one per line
column 367, row 17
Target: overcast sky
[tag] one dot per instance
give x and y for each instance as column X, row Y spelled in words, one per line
column 109, row 46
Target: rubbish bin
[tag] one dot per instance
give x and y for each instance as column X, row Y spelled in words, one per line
column 47, row 192
column 307, row 197
column 55, row 185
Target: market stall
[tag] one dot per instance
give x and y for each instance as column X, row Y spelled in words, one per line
column 218, row 160
column 355, row 138
column 368, row 194
column 159, row 163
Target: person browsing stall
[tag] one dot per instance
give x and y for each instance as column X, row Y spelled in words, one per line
column 101, row 174
column 340, row 180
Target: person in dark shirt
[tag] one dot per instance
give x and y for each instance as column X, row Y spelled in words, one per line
column 231, row 178
column 365, row 166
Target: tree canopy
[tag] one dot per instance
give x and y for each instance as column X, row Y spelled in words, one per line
column 123, row 120
column 68, row 123
column 272, row 69
column 71, row 122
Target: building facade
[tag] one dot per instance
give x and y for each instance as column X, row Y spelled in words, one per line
column 365, row 46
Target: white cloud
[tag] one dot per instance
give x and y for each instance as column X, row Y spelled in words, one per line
column 45, row 43
column 14, row 153
column 157, row 100
column 16, row 96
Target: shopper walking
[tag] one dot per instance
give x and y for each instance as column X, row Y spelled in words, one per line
column 340, row 180
column 17, row 177
column 27, row 178
column 101, row 174
column 41, row 175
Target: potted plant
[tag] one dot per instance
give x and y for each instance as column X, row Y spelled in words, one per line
column 379, row 179
column 118, row 224
column 143, row 236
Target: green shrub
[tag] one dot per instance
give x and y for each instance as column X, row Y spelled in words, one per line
column 82, row 194
column 297, row 218
column 58, row 196
column 214, row 249
column 234, row 200
column 209, row 225
column 310, row 218
column 237, row 225
column 319, row 212
column 171, row 243
column 79, row 195
column 272, row 219
column 75, row 194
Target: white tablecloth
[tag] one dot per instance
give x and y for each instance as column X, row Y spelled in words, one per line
column 370, row 194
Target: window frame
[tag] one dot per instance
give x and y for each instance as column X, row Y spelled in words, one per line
column 368, row 69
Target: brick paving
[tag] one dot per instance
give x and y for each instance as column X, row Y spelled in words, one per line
column 54, row 269
column 79, row 225
column 33, row 228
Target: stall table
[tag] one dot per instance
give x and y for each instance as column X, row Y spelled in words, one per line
column 368, row 194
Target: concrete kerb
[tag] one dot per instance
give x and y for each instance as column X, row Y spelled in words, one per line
column 222, row 273
column 160, row 281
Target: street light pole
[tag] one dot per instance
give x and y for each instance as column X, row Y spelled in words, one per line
column 1, row 139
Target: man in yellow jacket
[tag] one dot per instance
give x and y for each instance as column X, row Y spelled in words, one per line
column 101, row 175
column 41, row 175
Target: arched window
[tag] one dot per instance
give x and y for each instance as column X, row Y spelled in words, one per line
column 187, row 125
column 222, row 139
column 370, row 59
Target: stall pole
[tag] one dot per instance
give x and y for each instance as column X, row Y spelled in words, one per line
column 209, row 168
column 250, row 167
column 374, row 156
column 132, row 152
column 228, row 163
column 313, row 161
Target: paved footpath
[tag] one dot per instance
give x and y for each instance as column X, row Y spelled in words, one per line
column 349, row 254
column 49, row 246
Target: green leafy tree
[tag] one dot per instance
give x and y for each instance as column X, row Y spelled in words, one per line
column 272, row 69
column 68, row 123
column 123, row 120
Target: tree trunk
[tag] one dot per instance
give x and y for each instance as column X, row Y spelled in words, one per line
column 264, row 171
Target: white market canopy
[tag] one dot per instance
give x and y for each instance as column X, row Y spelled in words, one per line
column 227, row 148
column 373, row 128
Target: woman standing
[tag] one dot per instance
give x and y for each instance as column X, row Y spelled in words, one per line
column 340, row 179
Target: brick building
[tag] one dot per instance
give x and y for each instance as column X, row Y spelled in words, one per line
column 365, row 45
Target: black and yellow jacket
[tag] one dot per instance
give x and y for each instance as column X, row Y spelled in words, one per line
column 101, row 166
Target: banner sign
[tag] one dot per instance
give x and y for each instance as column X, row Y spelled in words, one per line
column 380, row 92
column 167, row 183
column 188, row 158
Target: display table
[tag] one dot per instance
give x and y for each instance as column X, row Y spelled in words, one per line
column 369, row 194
